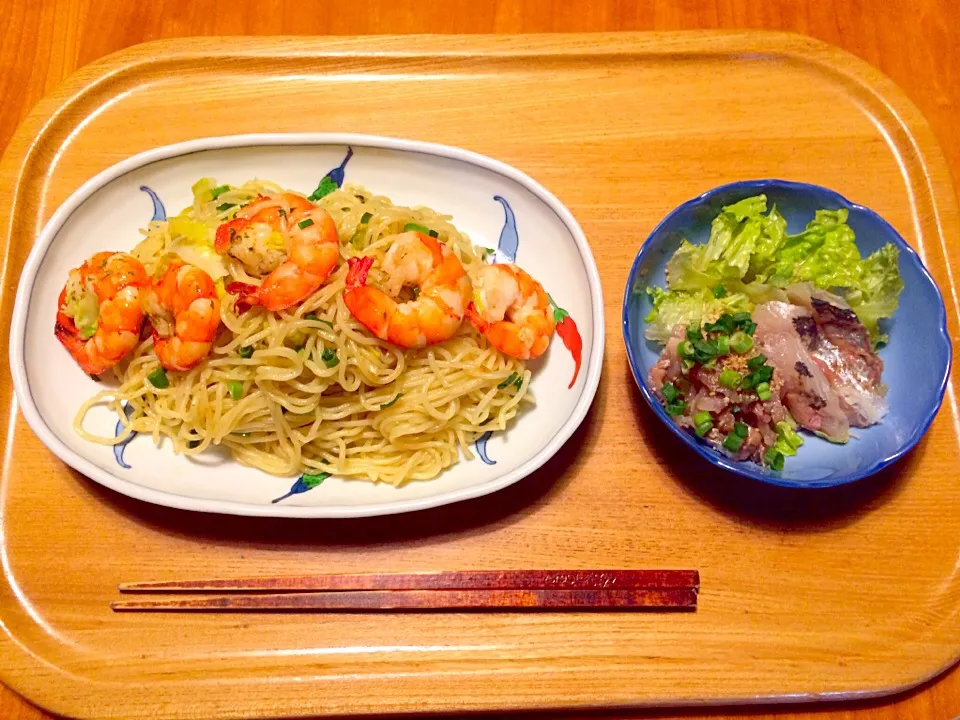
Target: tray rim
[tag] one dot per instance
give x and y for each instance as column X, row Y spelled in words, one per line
column 827, row 58
column 593, row 364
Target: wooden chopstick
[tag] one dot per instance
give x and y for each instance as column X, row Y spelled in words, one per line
column 379, row 600
column 461, row 580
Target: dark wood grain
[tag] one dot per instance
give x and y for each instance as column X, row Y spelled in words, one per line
column 916, row 42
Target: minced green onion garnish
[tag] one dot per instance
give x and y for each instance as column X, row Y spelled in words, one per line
column 670, row 392
column 304, row 224
column 235, row 388
column 158, row 378
column 730, row 379
column 329, row 357
column 732, row 442
column 386, row 405
column 509, row 381
column 774, row 459
column 676, row 408
column 414, row 227
column 722, row 343
column 740, row 317
column 741, row 429
column 218, row 191
column 757, row 361
column 684, row 348
column 245, row 351
column 703, row 423
column 225, row 206
column 694, row 333
column 366, row 218
column 741, row 342
column 763, row 391
column 719, row 292
column 311, row 316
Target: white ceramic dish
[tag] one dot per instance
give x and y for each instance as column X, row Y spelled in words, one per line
column 490, row 201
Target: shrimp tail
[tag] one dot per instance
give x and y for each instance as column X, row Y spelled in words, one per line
column 359, row 267
column 247, row 295
column 474, row 316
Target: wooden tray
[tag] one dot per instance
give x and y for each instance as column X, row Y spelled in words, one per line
column 805, row 595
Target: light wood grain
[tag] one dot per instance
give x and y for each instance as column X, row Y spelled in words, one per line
column 43, row 42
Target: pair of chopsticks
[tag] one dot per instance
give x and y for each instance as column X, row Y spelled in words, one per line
column 487, row 590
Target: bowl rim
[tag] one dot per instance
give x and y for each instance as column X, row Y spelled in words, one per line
column 591, row 371
column 752, row 470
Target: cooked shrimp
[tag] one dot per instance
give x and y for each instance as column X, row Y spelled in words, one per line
column 512, row 310
column 184, row 310
column 413, row 260
column 288, row 241
column 98, row 314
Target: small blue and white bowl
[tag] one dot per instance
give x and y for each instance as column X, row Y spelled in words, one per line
column 916, row 360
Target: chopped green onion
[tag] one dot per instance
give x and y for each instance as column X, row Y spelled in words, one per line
column 703, row 428
column 158, row 378
column 235, row 388
column 723, row 344
column 304, row 224
column 311, row 316
column 685, row 349
column 741, row 342
column 702, row 417
column 225, row 206
column 723, row 324
column 508, row 381
column 676, row 408
column 790, row 437
column 245, row 351
column 218, row 191
column 741, row 429
column 704, row 352
column 764, row 374
column 732, row 442
column 329, row 357
column 763, row 391
column 670, row 392
column 414, row 227
column 757, row 361
column 730, row 379
column 365, row 218
column 774, row 459
column 749, row 327
column 740, row 318
column 719, row 292
column 694, row 333
column 326, row 322
column 386, row 405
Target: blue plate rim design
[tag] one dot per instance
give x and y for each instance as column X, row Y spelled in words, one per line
column 750, row 470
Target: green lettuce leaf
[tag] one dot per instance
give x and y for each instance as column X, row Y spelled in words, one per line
column 877, row 293
column 671, row 307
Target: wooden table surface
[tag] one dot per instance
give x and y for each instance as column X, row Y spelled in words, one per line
column 916, row 42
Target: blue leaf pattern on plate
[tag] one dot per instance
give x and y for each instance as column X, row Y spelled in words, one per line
column 509, row 241
column 304, row 482
column 122, row 445
column 506, row 252
column 481, row 446
column 336, row 175
column 159, row 211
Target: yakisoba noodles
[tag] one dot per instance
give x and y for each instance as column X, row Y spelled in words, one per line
column 307, row 388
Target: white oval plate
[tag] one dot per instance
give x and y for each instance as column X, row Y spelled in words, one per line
column 490, row 201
